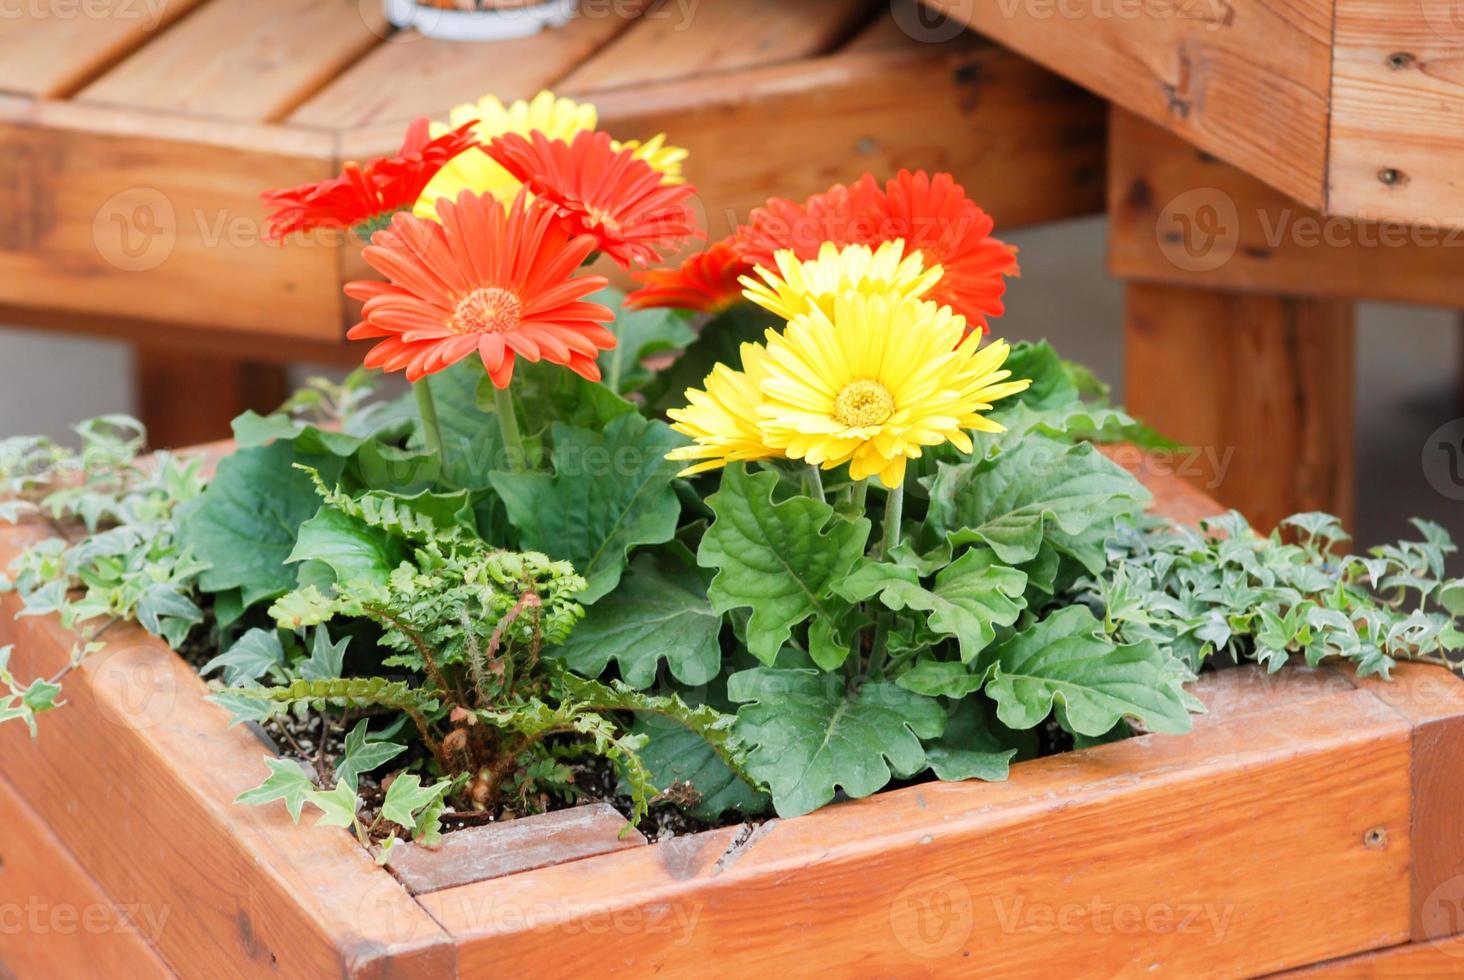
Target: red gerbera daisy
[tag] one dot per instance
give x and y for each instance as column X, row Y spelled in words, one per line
column 707, row 282
column 501, row 284
column 599, row 191
column 371, row 194
column 842, row 215
column 934, row 215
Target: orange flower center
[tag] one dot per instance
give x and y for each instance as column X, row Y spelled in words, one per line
column 488, row 309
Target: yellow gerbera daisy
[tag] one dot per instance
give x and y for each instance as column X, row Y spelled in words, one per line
column 724, row 418
column 556, row 118
column 800, row 287
column 873, row 384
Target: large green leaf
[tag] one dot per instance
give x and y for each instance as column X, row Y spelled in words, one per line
column 353, row 550
column 782, row 560
column 720, row 341
column 658, row 612
column 972, row 745
column 970, row 597
column 610, row 492
column 1006, row 502
column 1065, row 660
column 470, row 438
column 639, row 334
column 674, row 753
column 808, row 736
column 245, row 524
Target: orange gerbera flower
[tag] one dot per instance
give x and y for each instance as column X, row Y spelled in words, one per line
column 707, row 282
column 367, row 196
column 485, row 280
column 842, row 215
column 601, row 191
column 934, row 216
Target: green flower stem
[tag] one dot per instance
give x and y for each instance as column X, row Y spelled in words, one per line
column 894, row 514
column 518, row 460
column 427, row 408
column 859, row 493
column 815, row 481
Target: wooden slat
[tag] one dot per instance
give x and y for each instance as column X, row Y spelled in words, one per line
column 1398, row 106
column 186, row 398
column 412, row 76
column 1246, row 80
column 54, row 919
column 252, row 62
column 1159, row 856
column 891, row 28
column 1260, row 384
column 676, row 40
column 137, row 776
column 50, row 50
column 1177, row 214
column 122, row 213
column 1412, row 961
column 499, row 849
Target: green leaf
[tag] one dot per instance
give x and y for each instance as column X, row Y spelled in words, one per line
column 287, row 781
column 407, row 797
column 1064, row 660
column 1007, row 502
column 610, row 492
column 782, row 560
column 326, row 658
column 639, row 335
column 807, row 735
column 245, row 524
column 658, row 612
column 471, row 442
column 943, row 678
column 970, row 598
column 338, row 806
column 249, row 659
column 719, row 341
column 970, row 747
column 361, row 754
column 353, row 550
column 674, row 753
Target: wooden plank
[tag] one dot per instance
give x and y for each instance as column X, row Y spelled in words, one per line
column 1156, row 856
column 678, row 40
column 188, row 398
column 1246, row 80
column 897, row 25
column 253, row 894
column 1260, row 384
column 1180, row 215
column 498, row 849
column 50, row 50
column 412, row 76
column 55, row 921
column 1411, row 961
column 1397, row 111
column 1027, row 145
column 251, row 62
column 1158, row 470
column 111, row 212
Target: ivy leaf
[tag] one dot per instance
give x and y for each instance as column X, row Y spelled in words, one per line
column 610, row 492
column 338, row 805
column 249, row 659
column 326, row 658
column 970, row 748
column 166, row 612
column 782, row 560
column 970, row 598
column 407, row 797
column 807, row 735
column 352, row 549
column 1064, row 660
column 361, row 754
column 674, row 753
column 658, row 612
column 288, row 781
column 639, row 335
column 1006, row 502
column 245, row 524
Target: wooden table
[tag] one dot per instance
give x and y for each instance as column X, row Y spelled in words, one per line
column 132, row 152
column 1270, row 163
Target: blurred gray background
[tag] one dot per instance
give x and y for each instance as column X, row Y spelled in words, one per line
column 1409, row 363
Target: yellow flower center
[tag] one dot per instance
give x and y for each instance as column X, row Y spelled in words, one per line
column 488, row 309
column 863, row 403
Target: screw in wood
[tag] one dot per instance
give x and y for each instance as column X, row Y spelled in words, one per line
column 1392, row 176
column 1375, row 839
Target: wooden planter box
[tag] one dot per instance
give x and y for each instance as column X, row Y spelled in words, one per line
column 1310, row 818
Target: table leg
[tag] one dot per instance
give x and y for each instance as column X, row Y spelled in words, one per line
column 187, row 398
column 1260, row 385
